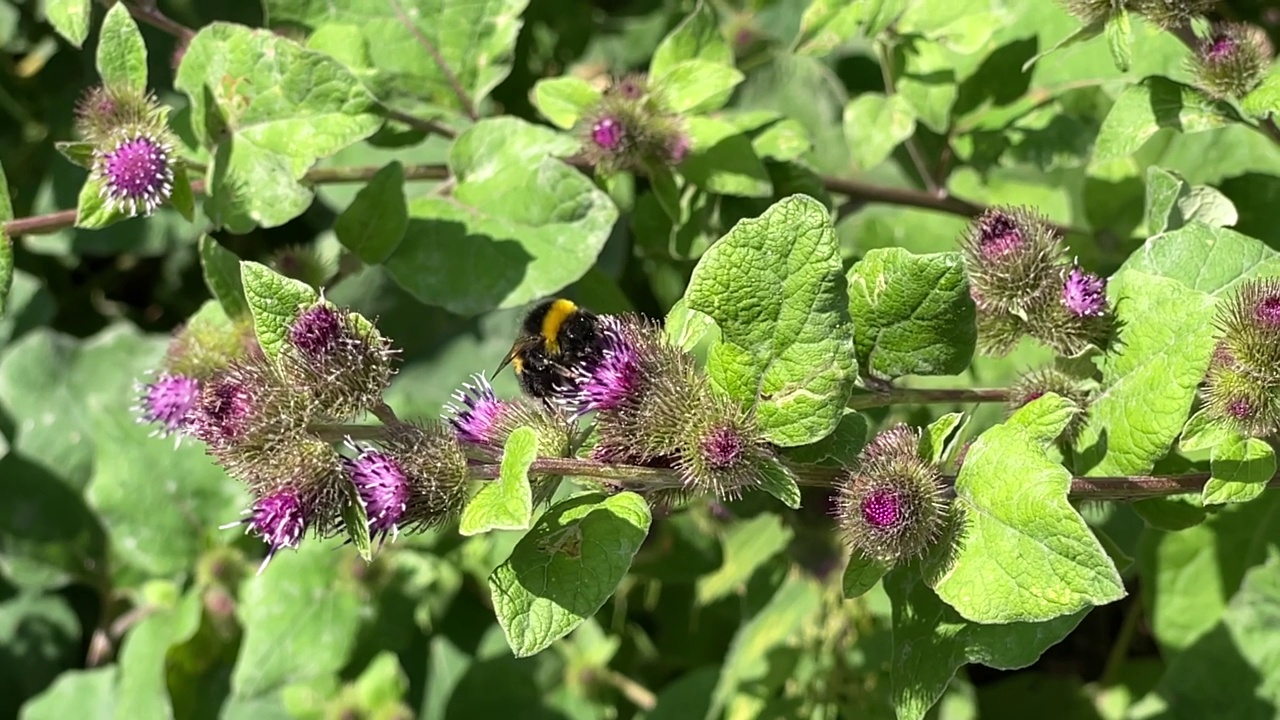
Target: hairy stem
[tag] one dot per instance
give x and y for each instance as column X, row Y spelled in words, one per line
column 927, row 396
column 431, row 127
column 146, row 11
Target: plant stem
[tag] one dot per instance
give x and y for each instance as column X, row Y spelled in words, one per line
column 147, row 12
column 936, row 190
column 901, row 196
column 431, row 127
column 450, row 77
column 339, row 433
column 639, row 695
column 1120, row 649
column 383, row 412
column 926, row 396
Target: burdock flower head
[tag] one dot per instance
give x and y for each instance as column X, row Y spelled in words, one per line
column 1090, row 12
column 338, row 358
column 1012, row 257
column 209, row 343
column 280, row 518
column 1232, row 61
column 1249, row 325
column 1170, row 14
column 1241, row 399
column 722, row 453
column 630, row 129
column 891, row 507
column 433, row 466
column 168, row 402
column 134, row 155
column 1033, row 385
column 383, row 488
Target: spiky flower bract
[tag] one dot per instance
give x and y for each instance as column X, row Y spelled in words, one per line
column 891, row 506
column 1032, row 385
column 1249, row 324
column 168, row 401
column 722, row 453
column 435, row 468
column 338, row 358
column 103, row 111
column 631, row 129
column 1012, row 256
column 1090, row 12
column 304, row 263
column 383, row 488
column 1232, row 61
column 245, row 404
column 1242, row 400
column 134, row 153
column 1171, row 14
column 209, row 343
column 998, row 334
column 1060, row 326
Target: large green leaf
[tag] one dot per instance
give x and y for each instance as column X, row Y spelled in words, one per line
column 1173, row 203
column 1149, row 381
column 697, row 37
column 144, row 690
column 875, row 124
column 912, row 314
column 1212, row 260
column 775, row 286
column 374, row 223
column 274, row 303
column 931, row 641
column 221, row 269
column 266, row 123
column 81, row 694
column 1024, row 553
column 122, row 55
column 474, row 41
column 519, row 226
column 1151, row 104
column 564, row 569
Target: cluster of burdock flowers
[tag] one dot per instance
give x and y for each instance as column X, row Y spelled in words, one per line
column 1023, row 284
column 1242, row 385
column 630, row 128
column 134, row 155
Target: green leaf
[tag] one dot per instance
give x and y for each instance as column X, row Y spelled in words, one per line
column 1150, row 381
column 874, row 125
column 782, row 141
column 778, row 625
column 931, row 642
column 274, row 302
column 826, row 24
column 780, row 482
column 144, row 691
column 521, row 225
column 1083, row 33
column 375, row 222
column 926, row 79
column 686, row 328
column 221, row 269
column 565, row 568
column 697, row 37
column 1120, row 40
column 1151, row 104
column 80, row 694
column 1024, row 554
column 1172, row 203
column 505, row 503
column 775, row 286
column 80, row 153
column 6, row 244
column 407, row 41
column 183, row 198
column 70, row 18
column 93, row 212
column 1230, row 671
column 721, row 160
column 1264, row 101
column 1240, row 469
column 861, row 574
column 748, row 546
column 1202, row 433
column 122, row 55
column 938, row 442
column 267, row 122
column 563, row 100
column 41, row 637
column 300, row 618
column 1189, row 577
column 1208, row 259
column 355, row 522
column 912, row 314
column 841, row 447
column 697, row 86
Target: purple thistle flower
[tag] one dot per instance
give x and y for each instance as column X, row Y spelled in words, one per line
column 723, row 447
column 1267, row 311
column 1220, row 47
column 1240, row 408
column 137, row 174
column 279, row 519
column 999, row 235
column 383, row 488
column 882, row 508
column 608, row 133
column 223, row 410
column 1084, row 294
column 476, row 413
column 317, row 331
column 617, row 377
column 169, row 402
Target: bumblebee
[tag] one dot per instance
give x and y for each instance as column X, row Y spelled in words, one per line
column 558, row 343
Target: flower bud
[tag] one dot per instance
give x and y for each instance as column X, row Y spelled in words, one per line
column 304, row 263
column 1250, row 326
column 631, row 129
column 891, row 507
column 1033, row 385
column 1241, row 399
column 1232, row 61
column 168, row 401
column 246, row 405
column 1170, row 14
column 338, row 358
column 1012, row 257
column 434, row 466
column 134, row 151
column 722, row 453
column 998, row 333
column 207, row 345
